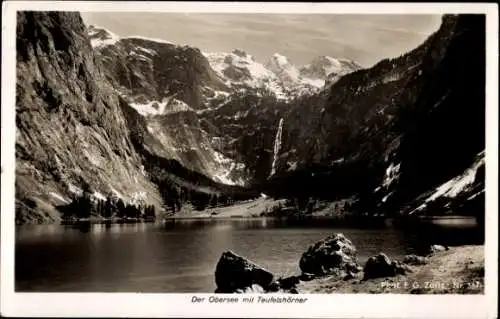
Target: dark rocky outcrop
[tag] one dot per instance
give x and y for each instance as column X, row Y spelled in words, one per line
column 234, row 272
column 382, row 266
column 333, row 255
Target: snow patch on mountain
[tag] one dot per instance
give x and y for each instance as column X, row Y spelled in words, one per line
column 59, row 197
column 328, row 69
column 166, row 106
column 391, row 174
column 99, row 196
column 457, row 185
column 284, row 70
column 148, row 51
column 278, row 75
column 138, row 37
column 460, row 183
column 238, row 68
column 227, row 167
column 75, row 189
column 140, row 56
column 100, row 37
column 317, row 83
column 151, row 108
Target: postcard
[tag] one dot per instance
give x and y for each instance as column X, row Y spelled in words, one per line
column 236, row 159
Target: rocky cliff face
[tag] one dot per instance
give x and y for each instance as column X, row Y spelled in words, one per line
column 407, row 126
column 278, row 76
column 71, row 132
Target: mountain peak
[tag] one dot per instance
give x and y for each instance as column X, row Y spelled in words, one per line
column 280, row 60
column 240, row 52
column 325, row 67
column 100, row 36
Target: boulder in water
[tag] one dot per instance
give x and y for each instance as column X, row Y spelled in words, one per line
column 382, row 266
column 234, row 273
column 333, row 255
column 274, row 287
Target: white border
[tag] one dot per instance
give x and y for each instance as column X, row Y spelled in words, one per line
column 179, row 305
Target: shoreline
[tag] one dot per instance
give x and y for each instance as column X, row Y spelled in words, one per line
column 466, row 221
column 264, row 208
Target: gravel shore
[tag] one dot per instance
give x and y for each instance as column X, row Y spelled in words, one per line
column 459, row 270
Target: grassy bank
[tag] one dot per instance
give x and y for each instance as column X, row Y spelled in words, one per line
column 251, row 208
column 460, row 270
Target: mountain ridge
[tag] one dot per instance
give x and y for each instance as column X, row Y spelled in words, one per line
column 146, row 73
column 239, row 68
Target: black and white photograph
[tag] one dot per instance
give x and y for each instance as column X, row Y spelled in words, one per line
column 263, row 157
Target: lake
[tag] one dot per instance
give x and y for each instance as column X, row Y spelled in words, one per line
column 181, row 255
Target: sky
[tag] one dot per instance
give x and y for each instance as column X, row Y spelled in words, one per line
column 365, row 39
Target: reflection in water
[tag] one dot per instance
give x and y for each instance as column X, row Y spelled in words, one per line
column 84, row 227
column 180, row 255
column 264, row 222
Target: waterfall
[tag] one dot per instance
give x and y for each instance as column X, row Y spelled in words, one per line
column 277, row 147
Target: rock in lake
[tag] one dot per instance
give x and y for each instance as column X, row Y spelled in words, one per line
column 333, row 255
column 382, row 266
column 234, row 273
column 414, row 260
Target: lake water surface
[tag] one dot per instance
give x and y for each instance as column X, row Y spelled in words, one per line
column 181, row 255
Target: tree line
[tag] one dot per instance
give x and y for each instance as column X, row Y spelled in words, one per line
column 85, row 206
column 175, row 196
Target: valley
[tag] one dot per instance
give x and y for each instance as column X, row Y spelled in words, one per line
column 171, row 126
